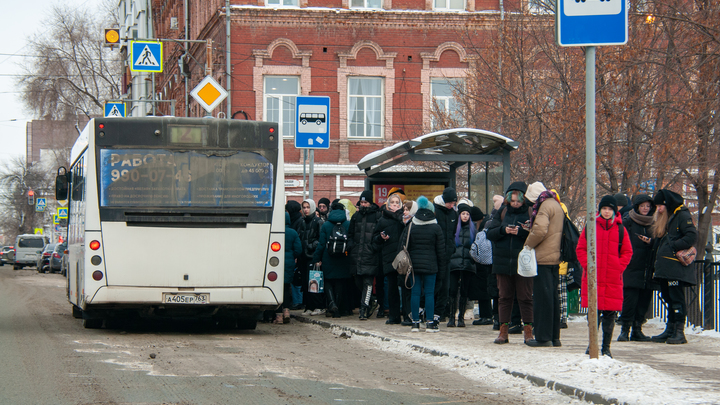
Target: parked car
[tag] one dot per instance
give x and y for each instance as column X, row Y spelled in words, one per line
column 43, row 261
column 4, row 255
column 26, row 250
column 56, row 259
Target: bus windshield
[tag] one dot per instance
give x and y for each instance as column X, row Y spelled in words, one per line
column 172, row 178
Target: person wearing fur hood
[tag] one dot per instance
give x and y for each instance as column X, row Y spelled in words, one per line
column 612, row 259
column 427, row 253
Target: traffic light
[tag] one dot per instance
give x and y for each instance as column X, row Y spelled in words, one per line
column 112, row 37
column 31, row 197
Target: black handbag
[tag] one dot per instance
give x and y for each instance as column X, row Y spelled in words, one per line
column 297, row 278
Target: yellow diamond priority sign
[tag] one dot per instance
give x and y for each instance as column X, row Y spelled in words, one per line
column 209, row 93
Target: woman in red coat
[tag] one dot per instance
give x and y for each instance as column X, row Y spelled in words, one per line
column 612, row 259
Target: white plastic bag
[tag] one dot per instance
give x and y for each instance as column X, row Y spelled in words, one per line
column 527, row 264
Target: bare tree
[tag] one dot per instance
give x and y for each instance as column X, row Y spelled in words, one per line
column 16, row 179
column 71, row 72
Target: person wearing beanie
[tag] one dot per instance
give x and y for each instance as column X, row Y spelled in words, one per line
column 613, row 256
column 387, row 236
column 363, row 252
column 675, row 231
column 398, row 191
column 447, row 219
column 637, row 277
column 546, row 227
column 462, row 266
column 323, row 208
column 310, row 237
column 508, row 236
column 623, row 204
column 295, row 210
column 427, row 252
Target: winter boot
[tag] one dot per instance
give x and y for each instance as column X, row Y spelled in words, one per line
column 331, row 305
column 605, row 348
column 453, row 307
column 503, row 336
column 415, row 326
column 363, row 313
column 461, row 313
column 286, row 315
column 663, row 337
column 624, row 333
column 527, row 331
column 678, row 337
column 637, row 334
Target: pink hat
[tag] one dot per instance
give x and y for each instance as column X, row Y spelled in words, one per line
column 497, row 201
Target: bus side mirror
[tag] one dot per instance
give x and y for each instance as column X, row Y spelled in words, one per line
column 62, row 184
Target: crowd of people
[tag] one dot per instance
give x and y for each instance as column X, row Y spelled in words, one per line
column 339, row 259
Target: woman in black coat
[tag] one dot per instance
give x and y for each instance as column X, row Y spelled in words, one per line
column 462, row 266
column 387, row 235
column 637, row 277
column 335, row 267
column 427, row 253
column 508, row 237
column 675, row 231
column 363, row 250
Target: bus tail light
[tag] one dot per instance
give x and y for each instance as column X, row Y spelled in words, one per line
column 272, row 276
column 275, row 246
column 97, row 275
column 95, row 245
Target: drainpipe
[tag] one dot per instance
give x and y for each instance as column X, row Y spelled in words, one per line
column 228, row 65
column 185, row 46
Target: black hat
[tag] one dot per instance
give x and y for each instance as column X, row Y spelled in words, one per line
column 463, row 207
column 659, row 198
column 621, row 199
column 366, row 195
column 476, row 214
column 325, row 201
column 520, row 186
column 337, row 206
column 608, row 201
column 449, row 195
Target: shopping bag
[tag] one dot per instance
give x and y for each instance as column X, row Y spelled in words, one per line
column 527, row 264
column 316, row 282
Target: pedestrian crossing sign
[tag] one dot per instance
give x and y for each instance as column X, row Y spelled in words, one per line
column 62, row 213
column 115, row 109
column 40, row 204
column 146, row 56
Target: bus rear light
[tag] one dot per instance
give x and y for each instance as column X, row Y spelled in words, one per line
column 275, row 246
column 274, row 261
column 101, row 126
column 272, row 276
column 96, row 260
column 272, row 130
column 95, row 245
column 97, row 275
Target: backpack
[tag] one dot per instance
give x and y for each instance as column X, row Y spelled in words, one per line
column 481, row 248
column 569, row 241
column 337, row 241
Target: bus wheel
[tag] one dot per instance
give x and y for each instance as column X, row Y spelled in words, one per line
column 92, row 323
column 76, row 312
column 246, row 324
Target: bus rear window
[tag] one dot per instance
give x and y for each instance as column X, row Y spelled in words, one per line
column 166, row 178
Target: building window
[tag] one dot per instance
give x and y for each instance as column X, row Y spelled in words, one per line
column 446, row 111
column 365, row 107
column 280, row 94
column 282, row 3
column 455, row 5
column 366, row 4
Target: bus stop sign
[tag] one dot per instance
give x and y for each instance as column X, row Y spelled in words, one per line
column 312, row 122
column 591, row 22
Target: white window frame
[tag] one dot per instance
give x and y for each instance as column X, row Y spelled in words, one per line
column 280, row 3
column 281, row 124
column 365, row 5
column 380, row 97
column 447, row 6
column 446, row 100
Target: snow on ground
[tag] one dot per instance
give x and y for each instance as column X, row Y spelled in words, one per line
column 626, row 382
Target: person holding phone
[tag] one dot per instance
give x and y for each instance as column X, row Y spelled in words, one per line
column 637, row 278
column 387, row 235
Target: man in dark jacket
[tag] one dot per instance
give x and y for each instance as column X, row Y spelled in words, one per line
column 323, row 208
column 447, row 219
column 363, row 250
column 675, row 231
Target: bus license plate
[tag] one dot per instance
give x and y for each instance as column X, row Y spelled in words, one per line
column 173, row 298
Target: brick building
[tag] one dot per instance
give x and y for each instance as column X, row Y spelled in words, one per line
column 384, row 64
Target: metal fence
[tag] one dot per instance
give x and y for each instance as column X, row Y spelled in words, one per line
column 703, row 299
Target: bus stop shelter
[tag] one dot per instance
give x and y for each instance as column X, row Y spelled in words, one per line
column 456, row 147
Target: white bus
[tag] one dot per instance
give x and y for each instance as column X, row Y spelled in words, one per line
column 175, row 217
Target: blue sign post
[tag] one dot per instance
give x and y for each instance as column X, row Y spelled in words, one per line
column 591, row 22
column 146, row 56
column 312, row 122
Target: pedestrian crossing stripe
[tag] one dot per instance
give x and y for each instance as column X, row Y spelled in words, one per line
column 114, row 112
column 146, row 58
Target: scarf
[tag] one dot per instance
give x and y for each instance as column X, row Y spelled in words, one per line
column 644, row 220
column 542, row 197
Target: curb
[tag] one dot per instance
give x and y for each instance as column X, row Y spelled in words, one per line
column 592, row 397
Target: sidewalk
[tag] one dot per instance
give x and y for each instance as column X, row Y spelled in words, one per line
column 639, row 373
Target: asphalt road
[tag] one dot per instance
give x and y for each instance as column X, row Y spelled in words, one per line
column 49, row 358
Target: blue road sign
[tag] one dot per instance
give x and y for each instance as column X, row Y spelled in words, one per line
column 591, row 22
column 40, row 204
column 312, row 122
column 146, row 56
column 62, row 213
column 115, row 109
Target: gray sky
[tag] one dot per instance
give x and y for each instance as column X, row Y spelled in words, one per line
column 22, row 20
